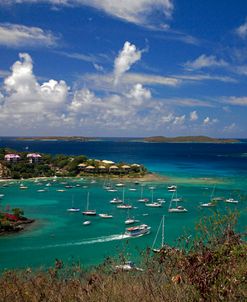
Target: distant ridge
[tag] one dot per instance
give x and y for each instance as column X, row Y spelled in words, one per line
column 188, row 139
column 55, row 138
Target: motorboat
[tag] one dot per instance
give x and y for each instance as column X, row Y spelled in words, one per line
column 231, row 200
column 87, row 222
column 116, row 201
column 128, row 266
column 105, row 215
column 125, row 206
column 138, row 231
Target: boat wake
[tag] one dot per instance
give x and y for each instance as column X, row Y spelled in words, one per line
column 79, row 243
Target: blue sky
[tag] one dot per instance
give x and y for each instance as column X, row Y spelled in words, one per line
column 123, row 68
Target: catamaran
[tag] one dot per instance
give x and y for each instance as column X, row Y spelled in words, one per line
column 162, row 227
column 176, row 209
column 89, row 212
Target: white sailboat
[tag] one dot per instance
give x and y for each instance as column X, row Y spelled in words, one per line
column 73, row 209
column 89, row 212
column 142, row 199
column 130, row 220
column 176, row 198
column 124, row 205
column 211, row 203
column 176, row 209
column 162, row 227
column 153, row 204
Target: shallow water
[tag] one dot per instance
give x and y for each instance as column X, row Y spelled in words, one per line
column 195, row 168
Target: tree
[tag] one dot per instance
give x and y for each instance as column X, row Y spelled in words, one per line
column 18, row 212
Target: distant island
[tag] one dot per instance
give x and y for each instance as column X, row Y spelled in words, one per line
column 188, row 139
column 151, row 139
column 55, row 138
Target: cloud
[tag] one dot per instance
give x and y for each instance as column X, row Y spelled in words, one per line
column 193, row 116
column 25, row 101
column 84, row 57
column 126, row 58
column 141, row 12
column 241, row 31
column 14, row 35
column 238, row 101
column 204, row 61
column 179, row 120
column 230, row 128
column 209, row 121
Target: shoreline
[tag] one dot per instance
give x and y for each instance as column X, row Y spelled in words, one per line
column 20, row 226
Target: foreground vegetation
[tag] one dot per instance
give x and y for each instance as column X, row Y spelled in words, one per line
column 61, row 165
column 212, row 268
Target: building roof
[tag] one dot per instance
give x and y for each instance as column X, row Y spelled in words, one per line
column 82, row 165
column 90, row 167
column 135, row 165
column 102, row 167
column 113, row 167
column 33, row 155
column 12, row 155
column 125, row 167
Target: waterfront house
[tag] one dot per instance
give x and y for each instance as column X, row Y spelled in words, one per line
column 12, row 157
column 102, row 169
column 34, row 158
column 113, row 169
column 82, row 166
column 125, row 168
column 90, row 169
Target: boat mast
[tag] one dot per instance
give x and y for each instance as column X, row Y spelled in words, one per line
column 123, row 194
column 163, row 231
column 87, row 200
column 155, row 239
column 141, row 191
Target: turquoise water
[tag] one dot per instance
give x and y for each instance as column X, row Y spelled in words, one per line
column 60, row 234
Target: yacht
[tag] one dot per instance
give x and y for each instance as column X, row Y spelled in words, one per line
column 116, row 201
column 176, row 209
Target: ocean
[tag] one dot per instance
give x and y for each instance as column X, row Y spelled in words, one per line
column 196, row 169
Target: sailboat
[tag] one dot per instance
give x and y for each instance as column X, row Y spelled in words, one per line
column 176, row 198
column 172, row 188
column 130, row 220
column 211, row 203
column 142, row 199
column 162, row 227
column 176, row 209
column 124, row 205
column 89, row 212
column 153, row 204
column 73, row 209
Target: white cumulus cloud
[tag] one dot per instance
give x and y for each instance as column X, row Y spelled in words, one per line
column 25, row 101
column 209, row 121
column 193, row 116
column 126, row 58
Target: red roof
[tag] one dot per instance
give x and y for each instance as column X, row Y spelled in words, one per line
column 11, row 217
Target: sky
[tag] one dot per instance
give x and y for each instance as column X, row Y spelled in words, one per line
column 123, row 68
